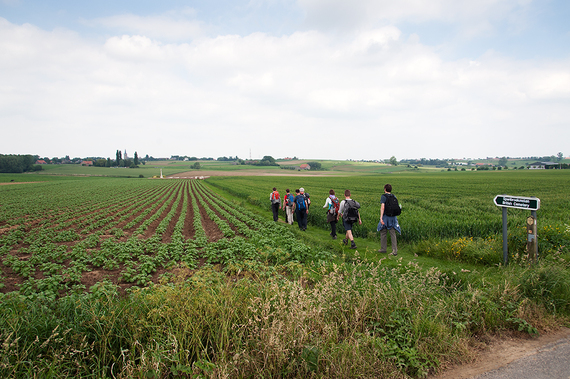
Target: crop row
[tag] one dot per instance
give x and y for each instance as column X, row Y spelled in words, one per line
column 438, row 205
column 131, row 236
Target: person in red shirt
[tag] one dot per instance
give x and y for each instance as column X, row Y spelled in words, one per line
column 275, row 203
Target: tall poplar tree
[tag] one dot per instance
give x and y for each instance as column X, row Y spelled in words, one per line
column 118, row 157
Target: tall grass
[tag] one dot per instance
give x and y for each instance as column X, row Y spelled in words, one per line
column 355, row 320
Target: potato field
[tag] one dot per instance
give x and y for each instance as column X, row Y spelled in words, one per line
column 68, row 236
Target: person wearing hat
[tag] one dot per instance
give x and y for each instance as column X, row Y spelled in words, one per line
column 301, row 209
column 307, row 197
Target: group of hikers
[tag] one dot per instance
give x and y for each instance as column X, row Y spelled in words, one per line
column 347, row 210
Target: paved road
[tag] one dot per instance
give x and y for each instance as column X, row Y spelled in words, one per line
column 551, row 361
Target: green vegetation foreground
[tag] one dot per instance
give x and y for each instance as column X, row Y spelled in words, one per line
column 269, row 301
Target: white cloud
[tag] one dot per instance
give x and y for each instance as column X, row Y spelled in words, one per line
column 61, row 94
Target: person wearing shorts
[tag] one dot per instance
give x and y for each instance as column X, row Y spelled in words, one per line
column 343, row 212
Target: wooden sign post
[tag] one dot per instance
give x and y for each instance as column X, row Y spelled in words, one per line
column 531, row 242
column 520, row 202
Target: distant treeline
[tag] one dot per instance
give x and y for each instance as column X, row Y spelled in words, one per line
column 425, row 162
column 18, row 163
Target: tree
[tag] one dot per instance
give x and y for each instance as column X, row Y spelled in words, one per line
column 195, row 166
column 393, row 161
column 560, row 156
column 268, row 161
column 315, row 166
column 118, row 158
column 136, row 160
column 503, row 161
column 17, row 163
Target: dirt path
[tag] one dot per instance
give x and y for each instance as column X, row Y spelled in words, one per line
column 253, row 172
column 9, row 183
column 500, row 353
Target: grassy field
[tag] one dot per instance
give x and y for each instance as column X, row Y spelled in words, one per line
column 126, row 277
column 152, row 168
column 78, row 170
column 434, row 205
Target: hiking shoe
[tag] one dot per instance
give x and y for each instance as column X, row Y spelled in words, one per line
column 382, row 251
column 394, row 254
column 344, row 241
column 334, row 237
column 352, row 245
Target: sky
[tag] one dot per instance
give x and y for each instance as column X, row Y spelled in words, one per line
column 313, row 79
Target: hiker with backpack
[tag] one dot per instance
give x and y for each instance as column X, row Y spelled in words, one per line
column 332, row 204
column 389, row 212
column 348, row 210
column 288, row 206
column 275, row 203
column 301, row 209
column 307, row 197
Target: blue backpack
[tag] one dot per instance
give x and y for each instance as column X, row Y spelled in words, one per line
column 290, row 199
column 300, row 200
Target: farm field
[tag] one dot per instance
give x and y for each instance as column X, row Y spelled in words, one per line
column 146, row 171
column 68, row 236
column 118, row 277
column 217, row 168
column 441, row 205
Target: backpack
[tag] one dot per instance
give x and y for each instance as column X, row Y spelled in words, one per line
column 300, row 200
column 307, row 197
column 333, row 209
column 351, row 211
column 275, row 197
column 391, row 206
column 289, row 200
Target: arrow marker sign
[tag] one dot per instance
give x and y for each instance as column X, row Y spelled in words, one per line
column 519, row 202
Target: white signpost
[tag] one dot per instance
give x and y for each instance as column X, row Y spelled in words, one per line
column 519, row 202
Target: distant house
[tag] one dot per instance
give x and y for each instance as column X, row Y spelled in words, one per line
column 542, row 165
column 86, row 163
column 40, row 161
column 305, row 166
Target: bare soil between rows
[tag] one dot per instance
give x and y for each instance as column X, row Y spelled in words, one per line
column 12, row 281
